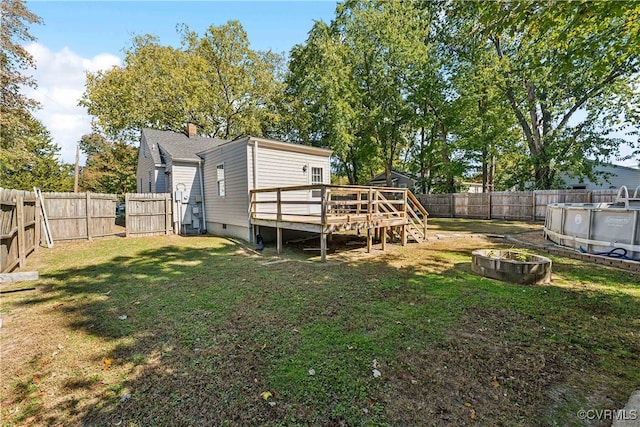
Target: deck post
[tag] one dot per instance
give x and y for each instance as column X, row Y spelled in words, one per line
column 323, row 205
column 323, row 247
column 404, row 235
column 279, row 240
column 383, row 237
column 369, row 240
column 279, row 203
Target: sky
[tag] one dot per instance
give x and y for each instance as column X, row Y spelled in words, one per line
column 80, row 36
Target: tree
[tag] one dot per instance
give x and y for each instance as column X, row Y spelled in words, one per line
column 110, row 166
column 14, row 62
column 28, row 156
column 216, row 82
column 569, row 72
column 36, row 164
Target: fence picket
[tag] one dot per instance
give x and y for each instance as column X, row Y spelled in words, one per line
column 509, row 205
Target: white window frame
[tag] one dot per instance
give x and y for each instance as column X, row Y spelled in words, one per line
column 221, row 189
column 314, row 175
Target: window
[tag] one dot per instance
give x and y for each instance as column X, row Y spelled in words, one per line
column 220, row 180
column 150, row 172
column 316, row 176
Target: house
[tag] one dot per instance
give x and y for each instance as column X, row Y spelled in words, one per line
column 232, row 169
column 615, row 177
column 398, row 180
column 210, row 179
column 167, row 163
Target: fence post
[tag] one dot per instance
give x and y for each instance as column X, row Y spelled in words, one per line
column 453, row 205
column 89, row 219
column 126, row 215
column 533, row 206
column 37, row 227
column 167, row 214
column 21, row 231
column 489, row 205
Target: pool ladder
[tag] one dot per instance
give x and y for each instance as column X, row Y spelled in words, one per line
column 629, row 202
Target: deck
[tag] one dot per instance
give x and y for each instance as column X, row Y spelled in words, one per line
column 327, row 209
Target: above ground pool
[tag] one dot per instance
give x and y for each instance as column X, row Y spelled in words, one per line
column 611, row 229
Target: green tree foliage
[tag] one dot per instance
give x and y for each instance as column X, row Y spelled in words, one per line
column 569, row 72
column 36, row 163
column 215, row 81
column 14, row 62
column 28, row 156
column 110, row 166
column 518, row 90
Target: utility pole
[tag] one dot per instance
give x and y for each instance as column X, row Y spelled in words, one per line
column 75, row 177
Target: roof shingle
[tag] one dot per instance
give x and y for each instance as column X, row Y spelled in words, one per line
column 178, row 145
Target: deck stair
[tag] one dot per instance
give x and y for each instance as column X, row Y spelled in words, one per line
column 327, row 209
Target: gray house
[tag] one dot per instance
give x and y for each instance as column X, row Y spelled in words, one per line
column 167, row 163
column 210, row 179
column 232, row 169
column 617, row 176
column 398, row 180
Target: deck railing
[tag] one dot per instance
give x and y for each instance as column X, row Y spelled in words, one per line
column 332, row 204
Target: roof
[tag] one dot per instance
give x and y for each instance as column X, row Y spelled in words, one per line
column 278, row 145
column 177, row 144
column 382, row 177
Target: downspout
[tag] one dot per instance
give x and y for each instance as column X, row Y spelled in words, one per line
column 203, row 227
column 177, row 221
column 255, row 164
column 255, row 186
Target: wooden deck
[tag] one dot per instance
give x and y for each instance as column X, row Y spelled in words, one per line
column 327, row 209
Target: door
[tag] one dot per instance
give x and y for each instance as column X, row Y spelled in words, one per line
column 316, row 177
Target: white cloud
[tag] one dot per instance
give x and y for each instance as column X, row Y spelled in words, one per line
column 61, row 78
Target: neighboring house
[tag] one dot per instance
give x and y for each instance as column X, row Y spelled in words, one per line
column 167, row 163
column 471, row 187
column 232, row 169
column 398, row 180
column 617, row 177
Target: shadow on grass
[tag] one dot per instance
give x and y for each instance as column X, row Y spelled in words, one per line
column 208, row 330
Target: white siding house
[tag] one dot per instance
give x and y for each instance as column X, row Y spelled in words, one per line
column 167, row 163
column 616, row 176
column 232, row 169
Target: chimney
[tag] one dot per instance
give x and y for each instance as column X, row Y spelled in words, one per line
column 191, row 130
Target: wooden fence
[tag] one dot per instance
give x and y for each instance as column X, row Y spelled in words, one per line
column 19, row 227
column 510, row 205
column 75, row 216
column 148, row 214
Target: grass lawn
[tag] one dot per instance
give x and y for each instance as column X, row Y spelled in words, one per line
column 213, row 336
